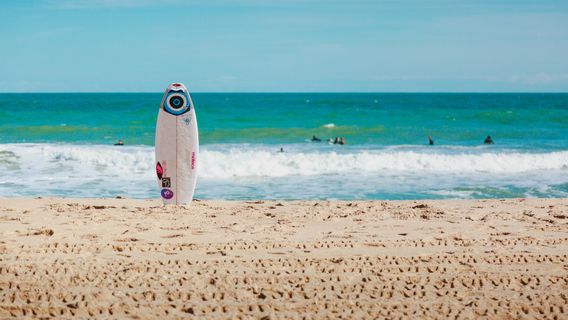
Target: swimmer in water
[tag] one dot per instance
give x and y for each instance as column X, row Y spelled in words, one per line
column 315, row 139
column 430, row 141
column 119, row 143
column 488, row 140
column 342, row 141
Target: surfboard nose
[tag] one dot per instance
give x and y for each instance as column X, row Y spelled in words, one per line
column 177, row 86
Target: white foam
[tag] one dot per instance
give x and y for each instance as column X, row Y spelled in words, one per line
column 329, row 125
column 97, row 170
column 30, row 169
column 263, row 162
column 247, row 163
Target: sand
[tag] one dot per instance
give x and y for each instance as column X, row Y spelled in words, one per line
column 121, row 258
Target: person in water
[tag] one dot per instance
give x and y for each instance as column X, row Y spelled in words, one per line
column 488, row 140
column 342, row 141
column 430, row 141
column 119, row 143
column 281, row 150
column 336, row 141
column 315, row 139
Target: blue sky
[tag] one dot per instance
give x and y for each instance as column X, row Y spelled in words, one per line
column 290, row 46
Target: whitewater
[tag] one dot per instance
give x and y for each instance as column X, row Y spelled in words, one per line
column 244, row 171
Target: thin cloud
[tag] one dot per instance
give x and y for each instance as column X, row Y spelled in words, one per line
column 538, row 78
column 90, row 4
column 403, row 78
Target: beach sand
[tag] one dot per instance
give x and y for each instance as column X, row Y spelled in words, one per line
column 122, row 258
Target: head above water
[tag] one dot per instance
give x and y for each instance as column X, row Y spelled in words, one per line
column 176, row 99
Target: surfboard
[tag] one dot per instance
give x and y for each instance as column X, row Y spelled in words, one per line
column 177, row 146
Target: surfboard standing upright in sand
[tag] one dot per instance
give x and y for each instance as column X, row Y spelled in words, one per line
column 177, row 146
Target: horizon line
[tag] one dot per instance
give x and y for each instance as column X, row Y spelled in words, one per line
column 292, row 92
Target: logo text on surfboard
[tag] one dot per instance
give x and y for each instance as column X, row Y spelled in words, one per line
column 167, row 194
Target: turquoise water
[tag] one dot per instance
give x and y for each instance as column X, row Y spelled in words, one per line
column 520, row 120
column 61, row 144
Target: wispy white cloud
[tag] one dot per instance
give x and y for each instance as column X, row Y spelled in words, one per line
column 89, row 4
column 402, row 78
column 538, row 78
column 50, row 33
column 526, row 79
column 21, row 85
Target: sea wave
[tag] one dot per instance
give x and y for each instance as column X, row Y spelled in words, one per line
column 263, row 162
column 248, row 171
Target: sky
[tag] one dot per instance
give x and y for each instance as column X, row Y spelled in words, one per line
column 284, row 46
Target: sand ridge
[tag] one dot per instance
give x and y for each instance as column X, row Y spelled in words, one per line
column 122, row 258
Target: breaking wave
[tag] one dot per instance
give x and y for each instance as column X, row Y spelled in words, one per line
column 98, row 170
column 263, row 162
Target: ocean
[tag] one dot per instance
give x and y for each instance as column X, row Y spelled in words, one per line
column 61, row 144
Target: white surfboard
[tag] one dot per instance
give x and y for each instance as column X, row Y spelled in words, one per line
column 177, row 146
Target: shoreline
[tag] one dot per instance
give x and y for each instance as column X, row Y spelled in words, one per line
column 498, row 258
